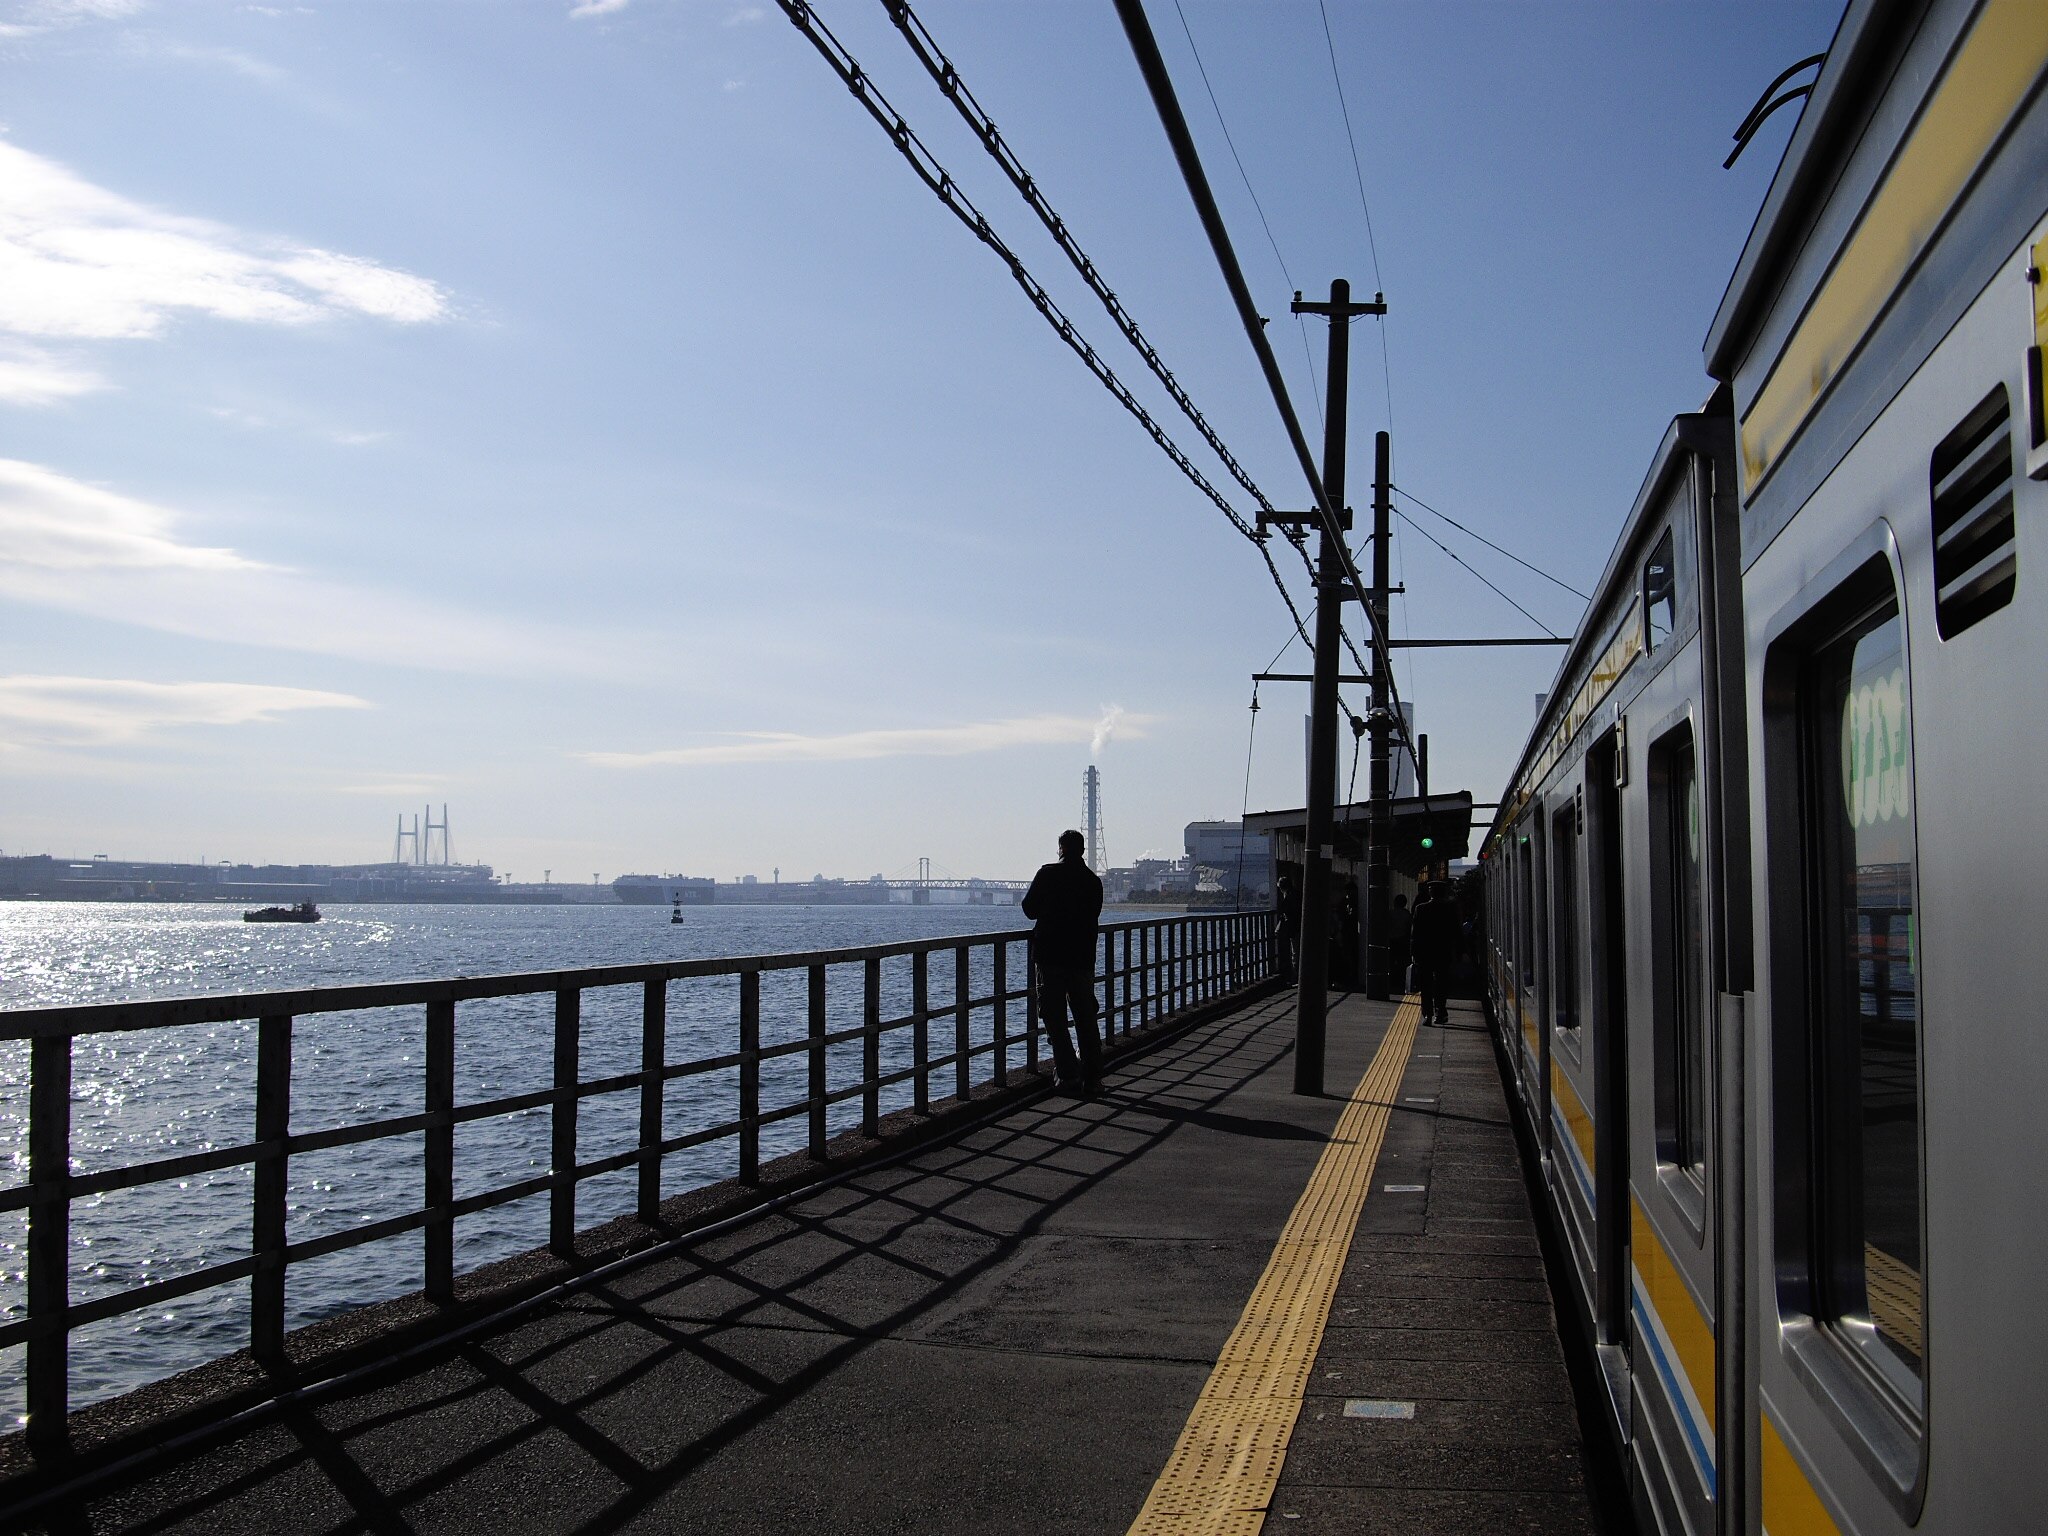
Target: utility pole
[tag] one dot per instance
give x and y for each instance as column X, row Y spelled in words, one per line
column 1312, row 994
column 1379, row 813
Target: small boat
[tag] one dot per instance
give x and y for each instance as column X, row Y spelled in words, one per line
column 304, row 912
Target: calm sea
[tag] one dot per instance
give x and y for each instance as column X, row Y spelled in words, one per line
column 168, row 1092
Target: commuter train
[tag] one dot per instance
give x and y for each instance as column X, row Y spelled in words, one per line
column 1763, row 941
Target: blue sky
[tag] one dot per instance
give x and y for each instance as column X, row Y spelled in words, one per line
column 576, row 413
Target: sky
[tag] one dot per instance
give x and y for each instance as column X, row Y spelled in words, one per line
column 575, row 412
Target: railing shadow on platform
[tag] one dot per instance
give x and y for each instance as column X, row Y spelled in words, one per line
column 595, row 1372
column 1150, row 972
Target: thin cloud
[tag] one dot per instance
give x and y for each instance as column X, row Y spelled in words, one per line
column 79, row 262
column 396, row 787
column 597, row 8
column 746, row 15
column 32, row 376
column 234, row 60
column 104, row 711
column 853, row 746
column 82, row 548
column 49, row 522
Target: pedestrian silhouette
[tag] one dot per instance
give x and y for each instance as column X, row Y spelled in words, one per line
column 1435, row 936
column 1287, row 925
column 1064, row 903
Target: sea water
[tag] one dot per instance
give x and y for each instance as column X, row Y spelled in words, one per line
column 160, row 1093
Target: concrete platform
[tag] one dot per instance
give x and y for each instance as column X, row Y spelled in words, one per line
column 1005, row 1333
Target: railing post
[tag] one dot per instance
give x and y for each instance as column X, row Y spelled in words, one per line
column 1109, row 987
column 439, row 1163
column 963, row 995
column 750, row 1077
column 1031, row 1004
column 1148, row 1012
column 562, row 1169
column 49, row 1246
column 817, row 1060
column 653, row 1061
column 266, row 1229
column 920, row 1032
column 871, row 1048
column 1000, row 985
column 1129, row 934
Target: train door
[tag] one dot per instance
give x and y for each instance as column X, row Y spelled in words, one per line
column 1608, row 991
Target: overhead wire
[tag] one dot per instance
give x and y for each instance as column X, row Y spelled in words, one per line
column 925, row 47
column 925, row 165
column 1167, row 103
column 1482, row 538
column 1481, row 575
column 933, row 57
column 1301, row 324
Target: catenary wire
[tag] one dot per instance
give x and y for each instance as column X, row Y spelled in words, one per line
column 955, row 89
column 941, row 184
column 947, row 76
column 1300, row 322
column 1145, row 47
column 1482, row 538
column 1365, row 207
column 1440, row 544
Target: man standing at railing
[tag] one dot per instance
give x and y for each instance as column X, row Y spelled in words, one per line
column 1064, row 902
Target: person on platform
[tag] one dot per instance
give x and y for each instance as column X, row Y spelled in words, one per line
column 1400, row 926
column 1345, row 924
column 1287, row 926
column 1434, row 937
column 1064, row 904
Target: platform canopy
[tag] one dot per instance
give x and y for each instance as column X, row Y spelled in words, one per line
column 1428, row 830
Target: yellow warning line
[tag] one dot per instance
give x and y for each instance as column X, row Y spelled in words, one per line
column 1220, row 1477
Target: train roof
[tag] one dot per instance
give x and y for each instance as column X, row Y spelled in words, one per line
column 1695, row 432
column 1864, row 43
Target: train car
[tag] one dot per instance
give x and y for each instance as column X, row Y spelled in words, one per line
column 1759, row 887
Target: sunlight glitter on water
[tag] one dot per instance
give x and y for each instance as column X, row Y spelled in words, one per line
column 168, row 1092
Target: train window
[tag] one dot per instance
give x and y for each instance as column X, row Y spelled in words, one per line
column 1976, row 561
column 1660, row 592
column 1677, row 875
column 1564, row 876
column 1526, row 911
column 1864, row 1042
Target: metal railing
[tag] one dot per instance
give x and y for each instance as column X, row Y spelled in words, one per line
column 1149, row 971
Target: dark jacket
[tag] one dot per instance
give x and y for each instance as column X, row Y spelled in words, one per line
column 1438, row 927
column 1064, row 902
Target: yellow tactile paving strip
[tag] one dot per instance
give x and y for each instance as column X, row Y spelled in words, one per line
column 1220, row 1477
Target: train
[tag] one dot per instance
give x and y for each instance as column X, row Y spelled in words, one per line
column 1761, row 946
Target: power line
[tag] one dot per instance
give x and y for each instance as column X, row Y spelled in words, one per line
column 1440, row 544
column 1301, row 324
column 1160, row 84
column 941, row 184
column 955, row 89
column 1482, row 538
column 1365, row 207
column 1351, row 138
column 1238, row 160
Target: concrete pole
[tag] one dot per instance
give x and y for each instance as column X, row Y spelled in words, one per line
column 1379, row 813
column 1312, row 993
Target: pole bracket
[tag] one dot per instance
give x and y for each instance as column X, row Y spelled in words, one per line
column 1308, row 519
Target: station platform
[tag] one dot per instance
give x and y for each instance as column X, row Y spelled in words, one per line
column 1199, row 1303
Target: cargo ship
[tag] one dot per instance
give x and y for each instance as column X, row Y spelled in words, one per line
column 664, row 890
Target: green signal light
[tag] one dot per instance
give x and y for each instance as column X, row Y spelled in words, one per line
column 1429, row 842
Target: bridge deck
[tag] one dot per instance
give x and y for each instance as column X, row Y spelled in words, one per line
column 1016, row 1331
